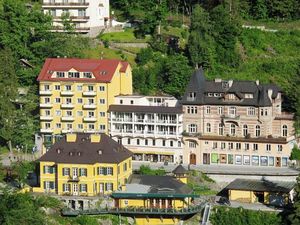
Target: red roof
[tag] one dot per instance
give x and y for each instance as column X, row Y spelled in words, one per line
column 96, row 66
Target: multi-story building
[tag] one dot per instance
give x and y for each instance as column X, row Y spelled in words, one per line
column 88, row 16
column 149, row 126
column 84, row 165
column 75, row 94
column 235, row 122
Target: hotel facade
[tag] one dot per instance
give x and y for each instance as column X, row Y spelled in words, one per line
column 87, row 16
column 235, row 123
column 75, row 94
column 149, row 126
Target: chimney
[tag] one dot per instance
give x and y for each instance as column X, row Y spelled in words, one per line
column 257, row 82
column 71, row 137
column 270, row 92
column 230, row 82
column 95, row 138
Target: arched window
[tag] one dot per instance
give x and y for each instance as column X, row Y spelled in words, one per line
column 192, row 128
column 232, row 129
column 221, row 129
column 245, row 130
column 284, row 130
column 257, row 131
column 208, row 128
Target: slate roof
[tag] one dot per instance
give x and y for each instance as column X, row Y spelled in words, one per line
column 96, row 66
column 83, row 151
column 145, row 109
column 260, row 185
column 199, row 85
column 180, row 170
column 161, row 184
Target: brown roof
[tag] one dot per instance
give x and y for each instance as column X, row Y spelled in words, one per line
column 83, row 151
column 145, row 109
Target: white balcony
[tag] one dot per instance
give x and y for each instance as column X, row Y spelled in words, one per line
column 127, row 120
column 67, row 93
column 45, row 92
column 89, row 93
column 47, row 118
column 67, row 106
column 45, row 105
column 89, row 119
column 65, row 131
column 89, row 106
column 46, row 130
column 67, row 118
column 65, row 5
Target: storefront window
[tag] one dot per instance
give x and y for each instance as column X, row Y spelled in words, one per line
column 246, row 160
column 238, row 159
column 284, row 161
column 255, row 160
column 214, row 157
column 230, row 159
column 271, row 161
column 263, row 160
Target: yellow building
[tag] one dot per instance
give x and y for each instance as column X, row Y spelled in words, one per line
column 84, row 165
column 261, row 191
column 75, row 94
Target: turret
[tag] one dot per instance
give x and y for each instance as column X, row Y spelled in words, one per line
column 180, row 173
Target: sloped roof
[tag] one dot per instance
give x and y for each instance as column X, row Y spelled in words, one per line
column 180, row 170
column 200, row 86
column 83, row 151
column 81, row 65
column 260, row 185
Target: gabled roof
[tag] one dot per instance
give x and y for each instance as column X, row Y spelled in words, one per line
column 260, row 185
column 96, row 66
column 202, row 87
column 180, row 170
column 83, row 151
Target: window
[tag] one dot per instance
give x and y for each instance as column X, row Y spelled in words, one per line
column 208, row 128
column 248, row 95
column 223, row 145
column 245, row 130
column 131, row 102
column 69, row 100
column 102, row 114
column 284, row 131
column 255, row 147
column 69, row 113
column 83, row 172
column 102, row 101
column 208, row 110
column 79, row 100
column 47, row 125
column 153, row 142
column 257, row 131
column 69, row 126
column 66, row 187
column 90, row 88
column 102, row 127
column 268, row 147
column 191, row 96
column 66, row 171
column 102, row 88
column 49, row 185
column 79, row 113
column 251, row 111
column 47, row 113
column 85, row 74
column 138, row 141
column 192, row 128
column 232, row 129
column 58, row 125
column 60, row 74
column 73, row 74
column 91, row 126
column 192, row 144
column 68, row 87
column 128, row 141
column 57, row 87
column 119, row 140
column 232, row 111
column 125, row 167
column 261, row 112
column 79, row 87
column 83, row 187
column 110, row 171
column 171, row 143
column 238, row 146
column 109, row 186
column 57, row 100
column 220, row 110
column 192, row 109
column 164, row 143
column 91, row 114
column 231, row 96
column 230, row 145
column 179, row 144
column 215, row 145
column 246, row 146
column 221, row 129
column 279, row 148
column 49, row 170
column 146, row 141
column 121, row 101
column 47, row 100
column 80, row 126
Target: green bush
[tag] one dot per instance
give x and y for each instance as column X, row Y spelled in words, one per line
column 295, row 154
column 146, row 170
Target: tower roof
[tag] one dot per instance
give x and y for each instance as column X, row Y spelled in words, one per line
column 180, row 170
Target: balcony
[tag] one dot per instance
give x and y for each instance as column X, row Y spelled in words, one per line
column 89, row 119
column 46, row 105
column 45, row 92
column 73, row 179
column 63, row 5
column 231, row 117
column 67, row 93
column 46, row 118
column 79, row 18
column 67, row 106
column 127, row 120
column 67, row 118
column 89, row 93
column 89, row 106
column 46, row 130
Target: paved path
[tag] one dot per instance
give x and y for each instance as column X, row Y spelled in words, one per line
column 228, row 169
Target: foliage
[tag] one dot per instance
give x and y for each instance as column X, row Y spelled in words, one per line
column 294, row 215
column 295, row 154
column 2, row 172
column 17, row 208
column 146, row 170
column 21, row 170
column 240, row 216
column 48, row 202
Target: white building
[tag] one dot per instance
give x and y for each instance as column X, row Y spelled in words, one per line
column 149, row 126
column 88, row 16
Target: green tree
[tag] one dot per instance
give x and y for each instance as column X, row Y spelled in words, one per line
column 259, row 9
column 21, row 169
column 294, row 217
column 200, row 43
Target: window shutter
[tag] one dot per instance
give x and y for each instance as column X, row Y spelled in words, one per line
column 98, row 170
column 64, row 171
column 80, row 187
column 112, row 186
column 105, row 170
column 112, row 171
column 105, row 186
column 80, row 172
column 64, row 187
column 86, row 187
column 44, row 169
column 85, row 170
column 44, row 184
column 69, row 187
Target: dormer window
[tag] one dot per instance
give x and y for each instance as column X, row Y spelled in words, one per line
column 192, row 96
column 225, row 85
column 60, row 74
column 73, row 75
column 231, row 96
column 103, row 72
column 87, row 75
column 248, row 95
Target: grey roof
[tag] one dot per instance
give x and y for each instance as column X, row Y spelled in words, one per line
column 260, row 185
column 201, row 87
column 144, row 109
column 136, row 188
column 161, row 184
column 180, row 170
column 83, row 151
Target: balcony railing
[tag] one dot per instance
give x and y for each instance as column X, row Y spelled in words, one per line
column 88, row 93
column 73, row 179
column 45, row 92
column 65, row 4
